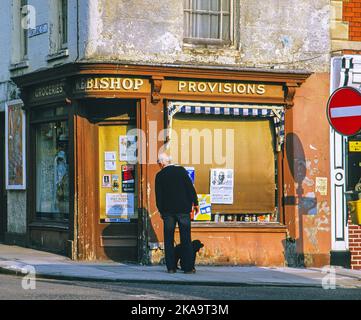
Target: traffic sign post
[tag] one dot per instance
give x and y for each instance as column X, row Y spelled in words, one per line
column 344, row 111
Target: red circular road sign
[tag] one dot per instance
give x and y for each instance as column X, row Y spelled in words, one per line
column 344, row 111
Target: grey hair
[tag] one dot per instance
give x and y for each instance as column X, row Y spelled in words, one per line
column 164, row 158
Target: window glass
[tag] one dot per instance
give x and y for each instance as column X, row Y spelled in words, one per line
column 64, row 22
column 52, row 168
column 23, row 32
column 254, row 164
column 207, row 19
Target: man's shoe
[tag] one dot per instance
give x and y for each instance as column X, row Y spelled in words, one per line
column 172, row 271
column 191, row 271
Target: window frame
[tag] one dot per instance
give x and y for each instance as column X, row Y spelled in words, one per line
column 237, row 218
column 187, row 25
column 63, row 24
column 24, row 43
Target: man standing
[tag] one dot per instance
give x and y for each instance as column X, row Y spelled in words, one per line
column 176, row 198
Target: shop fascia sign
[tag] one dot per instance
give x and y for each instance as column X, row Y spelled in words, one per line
column 123, row 84
column 111, row 84
column 221, row 87
column 50, row 90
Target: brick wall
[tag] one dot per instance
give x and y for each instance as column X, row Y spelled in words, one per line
column 355, row 246
column 352, row 14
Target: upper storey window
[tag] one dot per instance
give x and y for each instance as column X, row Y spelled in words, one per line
column 208, row 21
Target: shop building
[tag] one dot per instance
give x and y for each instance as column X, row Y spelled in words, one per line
column 344, row 155
column 97, row 109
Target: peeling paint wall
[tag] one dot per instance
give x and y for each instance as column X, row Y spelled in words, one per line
column 308, row 213
column 271, row 34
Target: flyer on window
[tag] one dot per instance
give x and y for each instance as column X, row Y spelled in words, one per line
column 119, row 204
column 128, row 178
column 221, row 187
column 205, row 208
column 128, row 148
column 190, row 171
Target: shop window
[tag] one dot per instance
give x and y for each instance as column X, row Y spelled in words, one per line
column 52, row 171
column 43, row 114
column 208, row 21
column 251, row 194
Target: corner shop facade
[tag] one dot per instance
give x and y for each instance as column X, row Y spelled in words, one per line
column 78, row 112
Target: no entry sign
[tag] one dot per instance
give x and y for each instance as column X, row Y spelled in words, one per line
column 344, row 111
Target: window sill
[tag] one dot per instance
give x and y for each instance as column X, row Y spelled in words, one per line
column 273, row 227
column 206, row 43
column 64, row 53
column 20, row 65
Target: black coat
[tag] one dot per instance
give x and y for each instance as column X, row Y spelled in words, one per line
column 174, row 191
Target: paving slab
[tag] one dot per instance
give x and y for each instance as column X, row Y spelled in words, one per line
column 16, row 260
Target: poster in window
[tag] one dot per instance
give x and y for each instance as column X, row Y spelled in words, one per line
column 15, row 146
column 119, row 205
column 115, row 182
column 106, row 181
column 221, row 187
column 110, row 166
column 110, row 156
column 205, row 208
column 191, row 174
column 128, row 178
column 128, row 148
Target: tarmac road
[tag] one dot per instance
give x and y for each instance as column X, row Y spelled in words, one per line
column 11, row 289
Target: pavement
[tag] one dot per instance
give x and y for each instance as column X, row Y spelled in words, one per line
column 19, row 261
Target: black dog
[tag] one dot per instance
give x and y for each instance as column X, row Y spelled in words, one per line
column 196, row 245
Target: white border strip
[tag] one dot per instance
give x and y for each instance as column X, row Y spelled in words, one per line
column 343, row 112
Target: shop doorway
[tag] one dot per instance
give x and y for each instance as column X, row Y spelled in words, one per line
column 118, row 216
column 108, row 175
column 3, row 210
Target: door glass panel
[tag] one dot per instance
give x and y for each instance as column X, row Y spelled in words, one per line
column 117, row 174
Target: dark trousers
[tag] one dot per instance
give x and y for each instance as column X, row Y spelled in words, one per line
column 184, row 224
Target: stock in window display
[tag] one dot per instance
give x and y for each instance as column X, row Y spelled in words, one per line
column 52, row 170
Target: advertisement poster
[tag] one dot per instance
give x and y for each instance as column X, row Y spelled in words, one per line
column 205, row 208
column 115, row 182
column 221, row 187
column 128, row 178
column 110, row 166
column 110, row 156
column 120, row 205
column 128, row 148
column 190, row 171
column 321, row 185
column 106, row 181
column 15, row 146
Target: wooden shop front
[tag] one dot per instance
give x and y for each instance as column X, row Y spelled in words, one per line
column 93, row 134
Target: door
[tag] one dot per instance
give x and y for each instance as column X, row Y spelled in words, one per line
column 117, row 220
column 353, row 162
column 3, row 210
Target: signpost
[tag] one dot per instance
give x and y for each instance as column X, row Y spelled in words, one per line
column 344, row 111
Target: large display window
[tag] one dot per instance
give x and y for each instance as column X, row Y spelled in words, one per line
column 232, row 161
column 51, row 166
